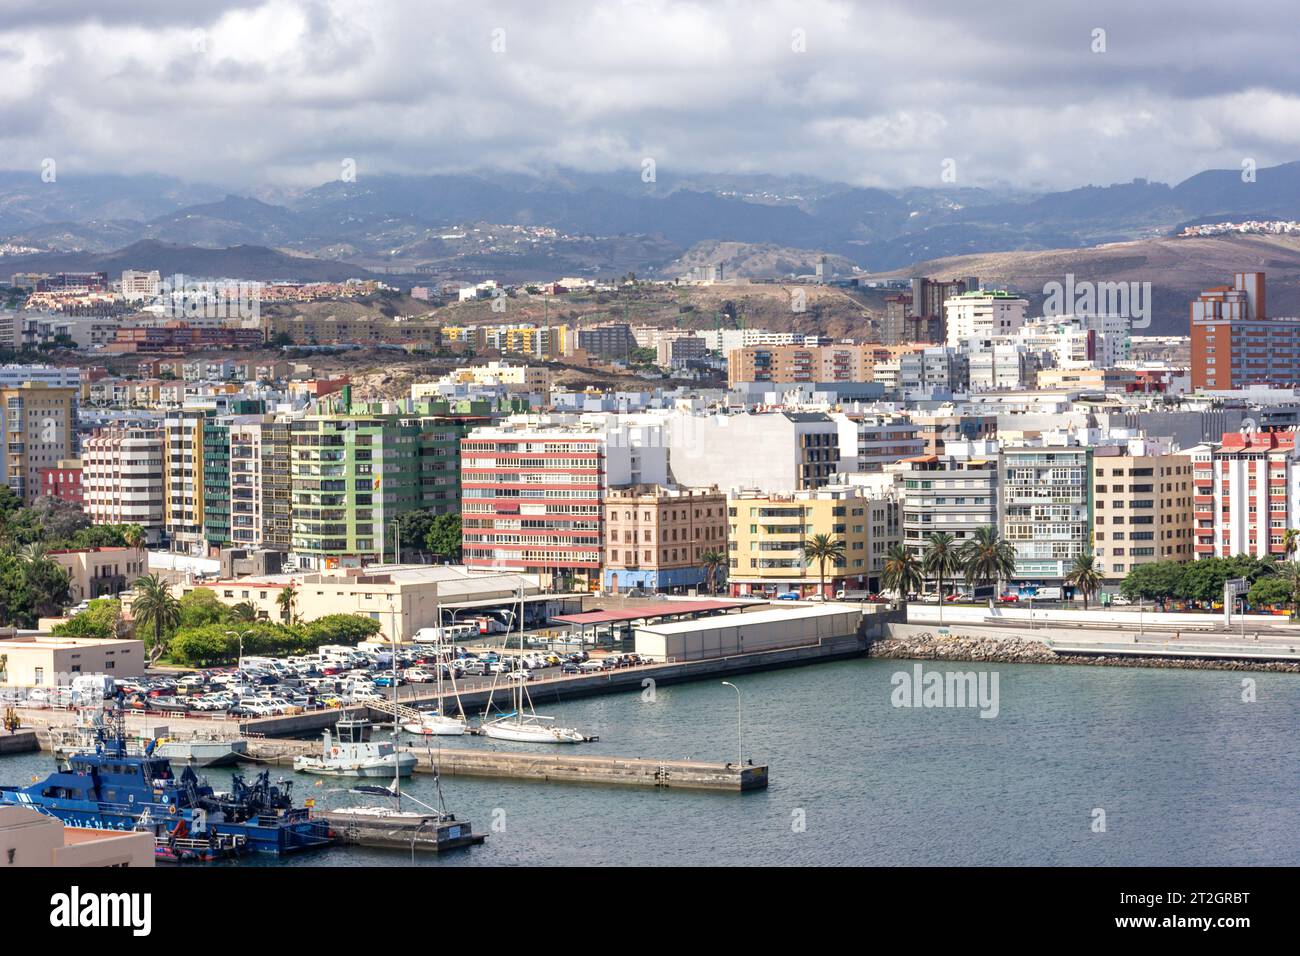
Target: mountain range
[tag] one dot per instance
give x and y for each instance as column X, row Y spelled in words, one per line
column 566, row 222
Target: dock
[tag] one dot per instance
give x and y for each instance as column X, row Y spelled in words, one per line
column 19, row 742
column 551, row 768
column 428, row 833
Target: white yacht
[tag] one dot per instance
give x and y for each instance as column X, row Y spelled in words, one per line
column 436, row 725
column 351, row 753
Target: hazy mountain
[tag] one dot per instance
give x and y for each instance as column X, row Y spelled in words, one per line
column 398, row 219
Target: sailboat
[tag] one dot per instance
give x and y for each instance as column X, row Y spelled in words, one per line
column 524, row 724
column 439, row 723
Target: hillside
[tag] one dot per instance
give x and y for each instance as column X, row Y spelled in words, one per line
column 1178, row 269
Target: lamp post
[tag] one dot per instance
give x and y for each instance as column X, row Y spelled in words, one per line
column 739, row 747
column 240, row 636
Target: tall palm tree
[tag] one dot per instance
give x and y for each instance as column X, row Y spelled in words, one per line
column 155, row 608
column 713, row 562
column 32, row 553
column 288, row 595
column 941, row 560
column 822, row 548
column 134, row 537
column 1083, row 574
column 1290, row 541
column 243, row 611
column 902, row 572
column 987, row 558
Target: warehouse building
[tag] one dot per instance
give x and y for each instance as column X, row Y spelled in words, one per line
column 730, row 634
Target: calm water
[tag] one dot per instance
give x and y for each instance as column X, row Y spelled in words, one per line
column 1186, row 772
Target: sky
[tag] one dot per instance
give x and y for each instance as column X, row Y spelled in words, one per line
column 246, row 93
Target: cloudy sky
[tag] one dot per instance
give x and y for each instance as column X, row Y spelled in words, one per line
column 246, row 93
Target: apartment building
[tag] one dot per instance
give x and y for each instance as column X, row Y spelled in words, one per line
column 1142, row 506
column 767, row 534
column 1235, row 343
column 1246, row 493
column 868, row 442
column 1045, row 508
column 954, row 492
column 1088, row 379
column 613, row 340
column 804, row 363
column 933, row 373
column 936, row 429
column 656, row 537
column 38, row 429
column 183, row 491
column 779, row 450
column 533, row 489
column 138, row 285
column 122, row 477
column 353, row 472
column 982, row 314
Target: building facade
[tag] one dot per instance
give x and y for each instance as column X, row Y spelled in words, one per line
column 1246, row 493
column 656, row 537
column 122, row 477
column 1045, row 508
column 38, row 428
column 1142, row 506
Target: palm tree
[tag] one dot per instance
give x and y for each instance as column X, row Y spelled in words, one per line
column 1290, row 541
column 243, row 611
column 902, row 572
column 134, row 537
column 822, row 548
column 288, row 595
column 32, row 553
column 941, row 560
column 155, row 607
column 987, row 558
column 1083, row 574
column 713, row 562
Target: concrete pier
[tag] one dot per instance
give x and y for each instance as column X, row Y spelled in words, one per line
column 551, row 767
column 19, row 742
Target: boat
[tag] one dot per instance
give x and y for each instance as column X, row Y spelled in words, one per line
column 196, row 749
column 436, row 725
column 524, row 724
column 112, row 788
column 431, row 829
column 351, row 753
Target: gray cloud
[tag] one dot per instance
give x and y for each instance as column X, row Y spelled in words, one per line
column 279, row 92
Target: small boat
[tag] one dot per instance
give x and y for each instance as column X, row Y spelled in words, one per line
column 528, row 728
column 352, row 754
column 436, row 725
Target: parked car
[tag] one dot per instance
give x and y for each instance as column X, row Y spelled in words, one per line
column 1009, row 599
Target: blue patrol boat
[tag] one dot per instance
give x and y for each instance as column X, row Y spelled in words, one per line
column 113, row 789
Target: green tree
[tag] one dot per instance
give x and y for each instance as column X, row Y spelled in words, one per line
column 988, row 558
column 286, row 600
column 1272, row 590
column 46, row 584
column 901, row 572
column 443, row 538
column 243, row 612
column 822, row 548
column 102, row 619
column 1157, row 581
column 156, row 612
column 413, row 529
column 941, row 560
column 714, row 563
column 1084, row 576
column 201, row 606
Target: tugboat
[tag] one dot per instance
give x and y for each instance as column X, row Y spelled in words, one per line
column 352, row 754
column 114, row 789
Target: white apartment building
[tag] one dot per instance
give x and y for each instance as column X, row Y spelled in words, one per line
column 122, row 477
column 140, row 285
column 1045, row 508
column 870, row 442
column 983, row 314
column 183, row 480
column 952, row 493
column 777, row 451
column 1246, row 493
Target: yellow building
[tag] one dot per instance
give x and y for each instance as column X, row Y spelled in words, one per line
column 1142, row 508
column 48, row 661
column 1087, row 379
column 37, row 425
column 768, row 534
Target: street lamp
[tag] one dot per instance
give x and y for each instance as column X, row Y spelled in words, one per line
column 739, row 747
column 240, row 635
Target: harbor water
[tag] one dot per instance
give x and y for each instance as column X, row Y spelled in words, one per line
column 1088, row 766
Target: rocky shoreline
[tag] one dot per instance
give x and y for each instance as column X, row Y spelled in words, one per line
column 1015, row 650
